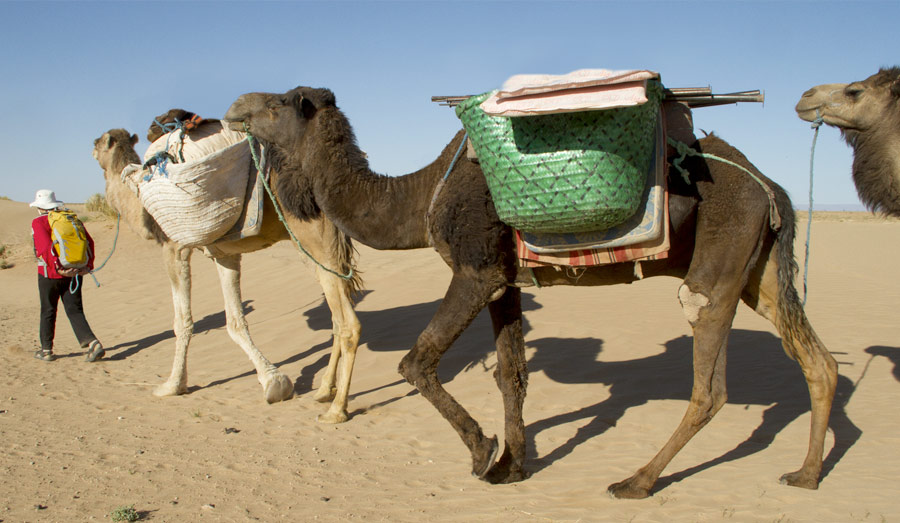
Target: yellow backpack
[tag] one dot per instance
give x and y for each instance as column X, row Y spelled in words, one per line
column 69, row 239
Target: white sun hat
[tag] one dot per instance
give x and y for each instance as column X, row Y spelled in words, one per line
column 45, row 199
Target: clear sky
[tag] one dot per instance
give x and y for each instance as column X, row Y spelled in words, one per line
column 70, row 71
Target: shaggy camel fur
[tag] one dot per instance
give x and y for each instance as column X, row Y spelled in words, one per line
column 115, row 150
column 868, row 115
column 723, row 247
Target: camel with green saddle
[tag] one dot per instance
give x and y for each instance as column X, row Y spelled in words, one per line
column 726, row 245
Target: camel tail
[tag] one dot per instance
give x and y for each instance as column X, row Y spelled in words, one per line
column 346, row 256
column 791, row 322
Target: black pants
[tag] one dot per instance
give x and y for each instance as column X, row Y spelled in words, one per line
column 51, row 290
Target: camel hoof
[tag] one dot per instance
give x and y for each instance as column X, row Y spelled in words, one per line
column 627, row 490
column 480, row 473
column 333, row 417
column 799, row 479
column 169, row 389
column 325, row 394
column 279, row 388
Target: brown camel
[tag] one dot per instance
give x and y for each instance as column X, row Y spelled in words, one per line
column 115, row 150
column 868, row 115
column 723, row 248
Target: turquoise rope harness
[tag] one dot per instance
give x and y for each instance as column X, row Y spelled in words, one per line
column 111, row 251
column 812, row 154
column 265, row 183
column 685, row 151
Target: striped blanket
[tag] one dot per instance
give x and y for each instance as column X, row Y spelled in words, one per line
column 656, row 249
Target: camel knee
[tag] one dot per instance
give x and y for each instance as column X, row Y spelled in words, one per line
column 703, row 409
column 691, row 303
column 419, row 362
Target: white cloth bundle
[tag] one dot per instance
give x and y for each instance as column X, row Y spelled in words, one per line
column 197, row 201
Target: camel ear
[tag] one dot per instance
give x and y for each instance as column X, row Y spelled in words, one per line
column 307, row 108
column 134, row 139
column 895, row 88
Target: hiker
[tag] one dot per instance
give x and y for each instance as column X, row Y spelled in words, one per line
column 56, row 282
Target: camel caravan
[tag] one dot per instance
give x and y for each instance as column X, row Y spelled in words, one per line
column 590, row 179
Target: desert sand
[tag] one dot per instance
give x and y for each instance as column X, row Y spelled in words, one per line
column 610, row 376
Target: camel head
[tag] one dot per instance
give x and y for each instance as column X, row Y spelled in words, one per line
column 857, row 107
column 278, row 119
column 868, row 116
column 114, row 147
column 113, row 151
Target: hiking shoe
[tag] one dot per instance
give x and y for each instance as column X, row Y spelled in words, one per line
column 95, row 352
column 44, row 355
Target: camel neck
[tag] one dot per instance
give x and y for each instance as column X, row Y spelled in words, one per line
column 383, row 212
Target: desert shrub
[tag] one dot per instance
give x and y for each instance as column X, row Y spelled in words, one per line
column 124, row 513
column 97, row 203
column 4, row 263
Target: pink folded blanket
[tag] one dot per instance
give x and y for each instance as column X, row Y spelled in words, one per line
column 582, row 90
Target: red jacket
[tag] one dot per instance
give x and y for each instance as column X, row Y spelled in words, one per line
column 48, row 261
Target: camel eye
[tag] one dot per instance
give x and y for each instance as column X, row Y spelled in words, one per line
column 852, row 92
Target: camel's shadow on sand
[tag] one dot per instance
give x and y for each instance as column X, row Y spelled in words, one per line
column 210, row 322
column 758, row 373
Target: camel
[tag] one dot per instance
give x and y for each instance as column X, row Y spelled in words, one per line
column 868, row 115
column 114, row 150
column 722, row 246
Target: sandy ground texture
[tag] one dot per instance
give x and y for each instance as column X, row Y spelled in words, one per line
column 610, row 376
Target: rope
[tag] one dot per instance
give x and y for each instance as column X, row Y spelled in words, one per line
column 685, row 150
column 111, row 251
column 440, row 186
column 265, row 183
column 812, row 154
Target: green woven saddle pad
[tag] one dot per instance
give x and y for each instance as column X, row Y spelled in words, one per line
column 565, row 173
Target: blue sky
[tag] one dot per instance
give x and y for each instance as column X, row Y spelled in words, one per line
column 70, row 71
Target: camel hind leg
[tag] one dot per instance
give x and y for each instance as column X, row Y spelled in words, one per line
column 725, row 250
column 779, row 303
column 328, row 246
column 276, row 386
column 345, row 331
column 710, row 318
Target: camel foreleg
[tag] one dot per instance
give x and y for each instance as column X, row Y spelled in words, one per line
column 178, row 267
column 276, row 386
column 512, row 379
column 464, row 299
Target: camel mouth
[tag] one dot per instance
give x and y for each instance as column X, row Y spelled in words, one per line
column 807, row 113
column 234, row 124
column 813, row 113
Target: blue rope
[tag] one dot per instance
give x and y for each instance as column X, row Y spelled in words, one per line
column 462, row 145
column 685, row 150
column 812, row 154
column 167, row 127
column 115, row 239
